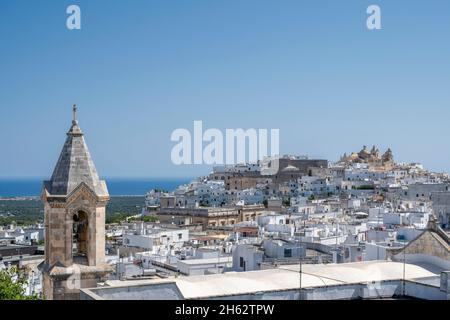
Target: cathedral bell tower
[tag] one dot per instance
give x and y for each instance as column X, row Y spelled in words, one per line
column 74, row 214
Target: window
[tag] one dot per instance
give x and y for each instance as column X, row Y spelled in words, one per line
column 287, row 253
column 180, row 236
column 241, row 262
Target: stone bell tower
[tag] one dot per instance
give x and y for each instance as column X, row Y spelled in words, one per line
column 74, row 214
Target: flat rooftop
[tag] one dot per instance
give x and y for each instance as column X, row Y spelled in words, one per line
column 284, row 278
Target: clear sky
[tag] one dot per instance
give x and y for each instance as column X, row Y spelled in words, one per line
column 140, row 69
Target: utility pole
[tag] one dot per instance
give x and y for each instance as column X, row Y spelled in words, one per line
column 404, row 266
column 336, row 245
column 376, row 240
column 300, row 297
column 218, row 259
column 313, row 241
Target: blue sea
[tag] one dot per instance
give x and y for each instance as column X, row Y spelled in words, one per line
column 26, row 187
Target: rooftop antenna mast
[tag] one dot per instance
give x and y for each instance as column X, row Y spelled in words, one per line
column 404, row 265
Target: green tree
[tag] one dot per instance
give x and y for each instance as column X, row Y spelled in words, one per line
column 12, row 285
column 149, row 219
column 365, row 187
column 117, row 217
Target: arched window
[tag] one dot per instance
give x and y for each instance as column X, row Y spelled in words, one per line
column 80, row 237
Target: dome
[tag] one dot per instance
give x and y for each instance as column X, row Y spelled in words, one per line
column 290, row 169
column 364, row 150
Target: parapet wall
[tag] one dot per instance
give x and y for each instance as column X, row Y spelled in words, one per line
column 424, row 289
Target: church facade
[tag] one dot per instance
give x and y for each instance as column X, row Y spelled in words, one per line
column 372, row 157
column 74, row 215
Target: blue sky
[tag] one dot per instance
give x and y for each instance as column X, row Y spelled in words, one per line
column 140, row 69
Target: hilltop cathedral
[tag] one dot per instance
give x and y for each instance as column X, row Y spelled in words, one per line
column 372, row 158
column 74, row 214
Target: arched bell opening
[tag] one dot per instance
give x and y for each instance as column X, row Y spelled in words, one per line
column 80, row 237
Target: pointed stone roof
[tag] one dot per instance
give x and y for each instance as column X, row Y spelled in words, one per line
column 432, row 242
column 75, row 166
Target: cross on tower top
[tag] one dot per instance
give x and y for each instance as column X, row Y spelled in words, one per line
column 74, row 114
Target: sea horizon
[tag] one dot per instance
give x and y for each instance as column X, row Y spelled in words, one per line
column 117, row 186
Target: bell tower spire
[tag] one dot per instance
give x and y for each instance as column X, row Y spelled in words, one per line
column 74, row 214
